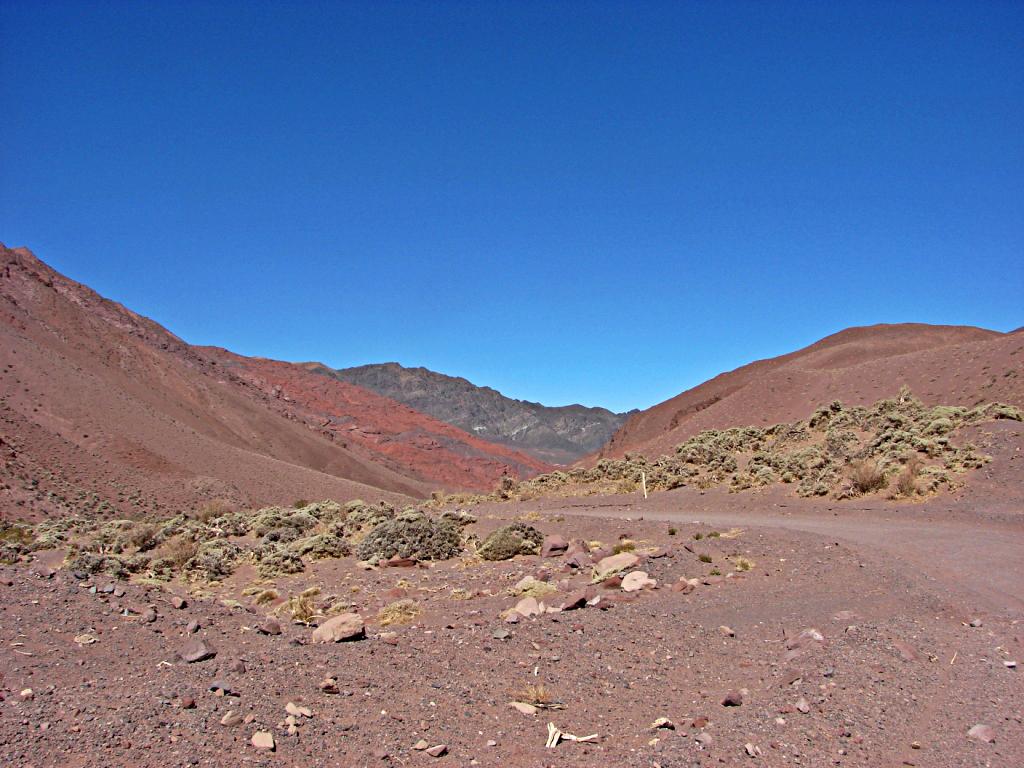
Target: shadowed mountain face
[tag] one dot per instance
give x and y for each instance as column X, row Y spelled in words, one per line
column 104, row 410
column 941, row 364
column 560, row 435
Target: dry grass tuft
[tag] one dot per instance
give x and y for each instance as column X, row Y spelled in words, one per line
column 868, row 476
column 399, row 612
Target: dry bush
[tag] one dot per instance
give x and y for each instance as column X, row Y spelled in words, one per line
column 399, row 612
column 536, row 694
column 626, row 545
column 743, row 563
column 906, row 480
column 868, row 476
column 213, row 509
column 301, row 607
column 177, row 550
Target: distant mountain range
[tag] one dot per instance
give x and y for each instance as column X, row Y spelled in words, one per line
column 560, row 435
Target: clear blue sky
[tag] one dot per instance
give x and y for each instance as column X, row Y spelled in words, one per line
column 595, row 202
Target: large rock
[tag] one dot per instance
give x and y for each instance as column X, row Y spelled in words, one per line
column 553, row 545
column 606, row 566
column 347, row 626
column 637, row 580
column 528, row 607
column 197, row 650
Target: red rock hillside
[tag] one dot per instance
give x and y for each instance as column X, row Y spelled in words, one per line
column 953, row 365
column 103, row 409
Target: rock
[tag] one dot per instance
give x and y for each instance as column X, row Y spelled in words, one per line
column 528, row 607
column 733, row 699
column 637, row 580
column 192, row 627
column 577, row 561
column 607, row 566
column 553, row 545
column 178, row 602
column 269, row 626
column 612, row 582
column 400, row 562
column 231, row 719
column 683, row 586
column 347, row 626
column 237, row 666
column 710, row 581
column 523, row 707
column 751, row 750
column 437, row 750
column 264, row 740
column 975, row 623
column 575, row 600
column 663, row 723
column 148, row 616
column 727, row 631
column 501, row 634
column 704, row 739
column 1010, row 664
column 906, row 651
column 196, row 650
column 220, row 688
column 802, row 706
column 295, row 710
column 981, row 732
column 421, row 745
column 329, row 685
column 26, row 694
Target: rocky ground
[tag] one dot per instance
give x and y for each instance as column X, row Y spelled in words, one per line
column 773, row 643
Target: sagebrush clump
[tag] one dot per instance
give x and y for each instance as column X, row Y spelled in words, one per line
column 511, row 540
column 414, row 535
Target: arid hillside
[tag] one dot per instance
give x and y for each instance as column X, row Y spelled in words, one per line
column 105, row 410
column 947, row 365
column 561, row 434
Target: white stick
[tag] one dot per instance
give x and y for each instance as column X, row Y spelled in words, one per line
column 643, row 482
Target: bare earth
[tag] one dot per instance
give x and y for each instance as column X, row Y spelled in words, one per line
column 898, row 677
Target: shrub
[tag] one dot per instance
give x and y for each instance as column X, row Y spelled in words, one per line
column 671, row 531
column 868, row 476
column 705, row 558
column 411, row 535
column 321, row 546
column 275, row 560
column 511, row 540
column 177, row 551
column 214, row 560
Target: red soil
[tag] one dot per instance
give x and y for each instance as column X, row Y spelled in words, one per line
column 948, row 365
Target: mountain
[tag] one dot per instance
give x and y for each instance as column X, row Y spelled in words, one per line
column 953, row 365
column 102, row 408
column 560, row 435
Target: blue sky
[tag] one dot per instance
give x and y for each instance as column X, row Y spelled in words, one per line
column 591, row 202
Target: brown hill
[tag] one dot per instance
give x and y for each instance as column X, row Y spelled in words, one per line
column 105, row 409
column 954, row 365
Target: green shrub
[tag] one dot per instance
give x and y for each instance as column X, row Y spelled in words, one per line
column 411, row 535
column 511, row 540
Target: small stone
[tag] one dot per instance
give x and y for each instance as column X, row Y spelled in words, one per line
column 296, row 711
column 178, row 602
column 802, row 706
column 663, row 723
column 231, row 719
column 523, row 707
column 704, row 739
column 733, row 699
column 575, row 600
column 727, row 631
column 492, row 743
column 501, row 634
column 192, row 627
column 186, row 702
column 148, row 616
column 27, row 694
column 751, row 750
column 195, row 651
column 437, row 750
column 329, row 685
column 264, row 740
column 269, row 626
column 528, row 607
column 1010, row 664
column 975, row 623
column 237, row 666
column 421, row 745
column 981, row 732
